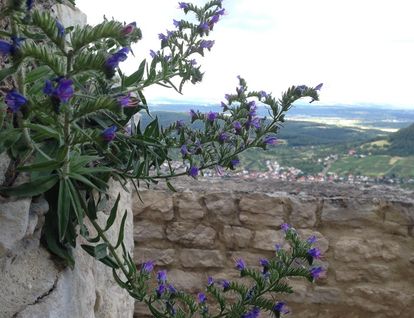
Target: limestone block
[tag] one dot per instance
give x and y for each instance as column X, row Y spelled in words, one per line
column 262, row 209
column 201, row 258
column 370, row 272
column 191, row 234
column 25, row 278
column 236, row 236
column 267, row 239
column 303, row 212
column 189, row 207
column 351, row 212
column 222, row 206
column 14, row 220
column 324, row 295
column 159, row 256
column 186, row 280
column 401, row 213
column 353, row 249
column 155, row 205
column 69, row 15
column 146, row 230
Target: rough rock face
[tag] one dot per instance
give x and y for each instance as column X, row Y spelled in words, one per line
column 32, row 283
column 364, row 233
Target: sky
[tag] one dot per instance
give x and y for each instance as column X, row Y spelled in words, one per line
column 362, row 50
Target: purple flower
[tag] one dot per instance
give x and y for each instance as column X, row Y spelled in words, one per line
column 237, row 127
column 255, row 122
column 221, row 11
column 254, row 313
column 210, row 281
column 7, row 48
column 278, row 247
column 15, row 100
column 285, row 227
column 240, row 264
column 315, row 252
column 177, row 24
column 318, row 87
column 147, row 267
column 179, row 124
column 193, row 171
column 211, row 116
column 61, row 29
column 163, row 37
column 193, row 62
column 29, row 4
column 113, row 61
column 234, row 163
column 270, row 140
column 160, row 290
column 262, row 94
column 129, row 28
column 280, row 307
column 316, row 272
column 162, row 276
column 227, row 96
column 124, row 100
column 203, row 27
column 64, row 90
column 193, row 115
column 225, row 283
column 153, row 54
column 109, row 133
column 264, row 262
column 201, row 298
column 214, row 20
column 299, row 90
column 183, row 5
column 172, row 289
column 184, row 151
column 312, row 239
column 223, row 137
column 206, row 44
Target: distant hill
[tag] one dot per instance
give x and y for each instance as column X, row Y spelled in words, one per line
column 402, row 142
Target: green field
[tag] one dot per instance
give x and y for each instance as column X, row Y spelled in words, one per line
column 375, row 166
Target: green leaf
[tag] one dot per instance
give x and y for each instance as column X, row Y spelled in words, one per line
column 63, row 209
column 8, row 71
column 112, row 215
column 101, row 250
column 30, row 189
column 136, row 77
column 76, row 204
column 42, row 166
column 91, row 208
column 46, row 130
column 83, row 180
column 121, row 230
column 38, row 73
column 44, row 54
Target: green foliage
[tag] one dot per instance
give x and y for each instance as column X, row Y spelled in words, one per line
column 402, row 142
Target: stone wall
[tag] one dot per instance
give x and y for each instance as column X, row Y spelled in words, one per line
column 365, row 234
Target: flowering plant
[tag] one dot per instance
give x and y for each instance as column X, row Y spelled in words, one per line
column 70, row 123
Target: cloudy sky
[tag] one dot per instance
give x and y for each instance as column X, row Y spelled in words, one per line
column 362, row 50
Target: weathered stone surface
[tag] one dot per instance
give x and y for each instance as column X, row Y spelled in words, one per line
column 191, row 234
column 187, row 280
column 262, row 209
column 222, row 206
column 353, row 249
column 303, row 212
column 201, row 258
column 236, row 236
column 324, row 295
column 69, row 15
column 154, row 206
column 14, row 220
column 364, row 273
column 147, row 230
column 267, row 239
column 350, row 212
column 159, row 256
column 4, row 164
column 189, row 207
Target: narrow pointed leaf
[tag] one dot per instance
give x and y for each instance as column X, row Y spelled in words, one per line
column 112, row 215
